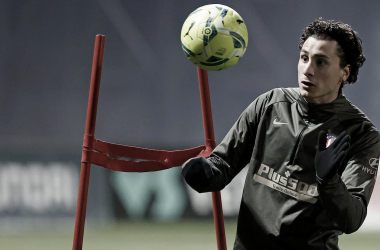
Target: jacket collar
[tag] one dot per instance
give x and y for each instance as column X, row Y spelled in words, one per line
column 317, row 113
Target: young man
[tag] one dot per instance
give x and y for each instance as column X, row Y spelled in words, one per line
column 312, row 155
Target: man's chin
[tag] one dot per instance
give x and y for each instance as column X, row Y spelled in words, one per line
column 304, row 93
column 307, row 95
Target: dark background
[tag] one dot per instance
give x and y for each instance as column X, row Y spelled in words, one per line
column 149, row 91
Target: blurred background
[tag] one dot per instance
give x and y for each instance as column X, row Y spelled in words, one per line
column 149, row 97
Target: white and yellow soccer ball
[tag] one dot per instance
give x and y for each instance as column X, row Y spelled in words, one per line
column 214, row 37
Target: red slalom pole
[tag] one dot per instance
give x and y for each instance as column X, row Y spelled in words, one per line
column 88, row 141
column 210, row 145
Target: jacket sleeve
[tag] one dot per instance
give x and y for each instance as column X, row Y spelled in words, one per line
column 346, row 197
column 235, row 150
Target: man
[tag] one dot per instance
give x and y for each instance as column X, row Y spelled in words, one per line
column 312, row 155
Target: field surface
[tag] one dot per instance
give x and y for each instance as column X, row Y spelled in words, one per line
column 184, row 235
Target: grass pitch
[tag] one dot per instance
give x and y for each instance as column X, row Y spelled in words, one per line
column 183, row 235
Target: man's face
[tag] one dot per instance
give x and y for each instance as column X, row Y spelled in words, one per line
column 319, row 73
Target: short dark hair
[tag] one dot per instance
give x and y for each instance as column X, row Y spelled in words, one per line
column 349, row 44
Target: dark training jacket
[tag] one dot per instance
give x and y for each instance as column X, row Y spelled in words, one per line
column 284, row 204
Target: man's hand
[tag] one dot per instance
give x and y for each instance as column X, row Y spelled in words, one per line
column 198, row 172
column 328, row 160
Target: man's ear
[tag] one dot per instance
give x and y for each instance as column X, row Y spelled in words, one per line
column 346, row 72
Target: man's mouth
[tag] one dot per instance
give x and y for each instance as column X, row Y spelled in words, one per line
column 307, row 83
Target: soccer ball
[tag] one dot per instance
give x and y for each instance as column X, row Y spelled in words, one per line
column 214, row 37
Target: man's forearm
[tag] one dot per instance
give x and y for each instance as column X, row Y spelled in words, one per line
column 346, row 209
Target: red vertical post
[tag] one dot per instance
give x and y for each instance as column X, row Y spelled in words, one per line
column 88, row 141
column 210, row 145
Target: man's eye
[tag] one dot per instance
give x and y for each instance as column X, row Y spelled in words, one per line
column 304, row 58
column 321, row 62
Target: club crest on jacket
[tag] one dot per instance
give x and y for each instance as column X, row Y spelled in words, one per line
column 329, row 139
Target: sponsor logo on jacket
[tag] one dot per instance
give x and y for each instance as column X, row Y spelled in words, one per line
column 287, row 185
column 373, row 165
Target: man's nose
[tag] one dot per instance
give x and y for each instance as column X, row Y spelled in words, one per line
column 308, row 70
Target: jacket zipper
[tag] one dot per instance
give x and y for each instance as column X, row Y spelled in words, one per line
column 293, row 156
